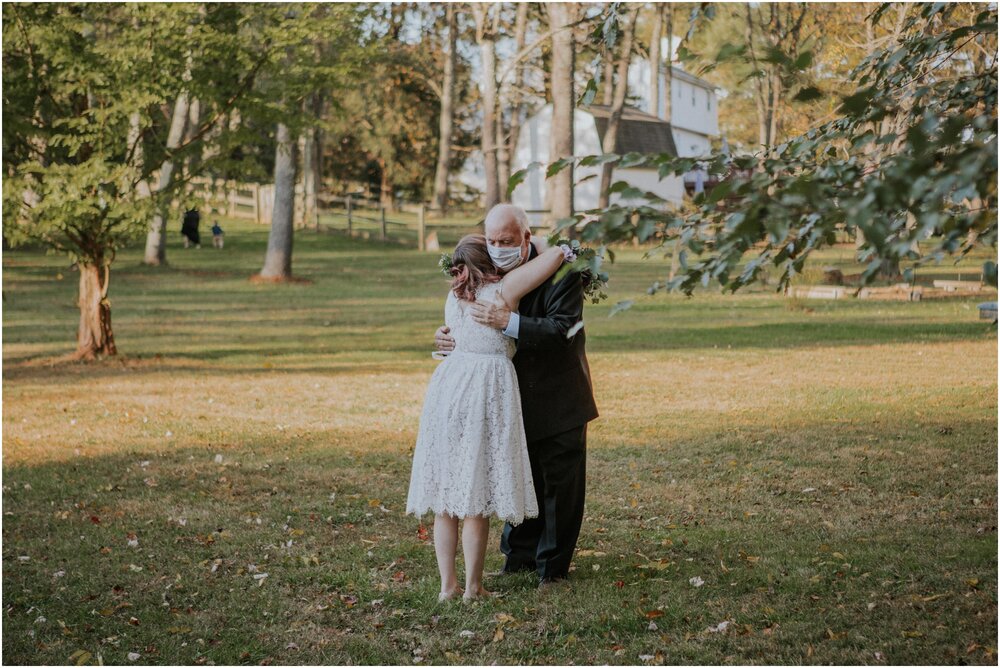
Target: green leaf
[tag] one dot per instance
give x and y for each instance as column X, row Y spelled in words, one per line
column 808, row 94
column 518, row 177
column 589, row 92
column 727, row 51
column 557, row 166
column 593, row 160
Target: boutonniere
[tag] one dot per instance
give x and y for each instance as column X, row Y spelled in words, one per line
column 587, row 261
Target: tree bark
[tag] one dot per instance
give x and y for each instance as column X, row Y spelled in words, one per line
column 668, row 71
column 655, row 60
column 278, row 260
column 194, row 118
column 517, row 102
column 608, row 87
column 309, row 178
column 560, row 189
column 485, row 37
column 94, row 335
column 617, row 105
column 446, row 117
column 156, row 237
column 386, row 198
column 138, row 153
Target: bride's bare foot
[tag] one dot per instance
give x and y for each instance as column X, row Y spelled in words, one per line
column 448, row 595
column 473, row 595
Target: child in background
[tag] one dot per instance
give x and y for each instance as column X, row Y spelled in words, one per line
column 216, row 234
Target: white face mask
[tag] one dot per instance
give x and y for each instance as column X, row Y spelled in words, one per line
column 505, row 259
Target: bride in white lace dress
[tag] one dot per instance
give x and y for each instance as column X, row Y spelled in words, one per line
column 471, row 456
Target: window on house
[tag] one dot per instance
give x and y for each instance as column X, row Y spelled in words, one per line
column 694, row 95
column 709, row 99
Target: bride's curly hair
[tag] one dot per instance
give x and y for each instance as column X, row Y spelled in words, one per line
column 471, row 267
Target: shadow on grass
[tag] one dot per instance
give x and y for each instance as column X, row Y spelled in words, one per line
column 349, row 574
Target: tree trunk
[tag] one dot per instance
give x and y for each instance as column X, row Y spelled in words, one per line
column 194, row 117
column 309, row 179
column 278, row 261
column 668, row 71
column 486, row 37
column 385, row 196
column 617, row 105
column 655, row 60
column 503, row 153
column 447, row 117
column 561, row 17
column 517, row 102
column 138, row 153
column 94, row 335
column 608, row 87
column 156, row 237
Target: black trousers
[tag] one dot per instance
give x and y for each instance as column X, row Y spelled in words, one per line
column 545, row 543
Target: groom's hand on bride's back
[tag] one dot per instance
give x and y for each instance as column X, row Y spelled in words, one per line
column 443, row 340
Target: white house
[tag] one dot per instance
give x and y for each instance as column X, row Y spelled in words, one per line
column 638, row 132
column 694, row 106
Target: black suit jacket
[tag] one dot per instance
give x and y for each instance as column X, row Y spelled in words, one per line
column 552, row 370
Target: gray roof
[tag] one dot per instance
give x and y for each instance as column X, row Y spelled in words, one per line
column 638, row 132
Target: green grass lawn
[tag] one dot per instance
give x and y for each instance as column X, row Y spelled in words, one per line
column 827, row 469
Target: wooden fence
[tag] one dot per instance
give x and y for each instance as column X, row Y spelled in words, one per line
column 358, row 217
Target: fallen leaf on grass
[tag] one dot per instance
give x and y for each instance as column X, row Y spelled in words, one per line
column 653, row 614
column 719, row 628
column 696, row 581
column 498, row 634
column 80, row 657
column 467, row 634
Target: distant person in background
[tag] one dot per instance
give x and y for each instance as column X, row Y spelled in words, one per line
column 189, row 228
column 217, row 235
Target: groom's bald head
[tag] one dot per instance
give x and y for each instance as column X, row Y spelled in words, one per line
column 506, row 226
column 503, row 215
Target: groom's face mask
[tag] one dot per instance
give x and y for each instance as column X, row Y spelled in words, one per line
column 507, row 257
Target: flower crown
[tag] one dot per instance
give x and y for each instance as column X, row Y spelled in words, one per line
column 446, row 264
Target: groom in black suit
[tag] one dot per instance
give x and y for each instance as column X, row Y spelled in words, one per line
column 557, row 399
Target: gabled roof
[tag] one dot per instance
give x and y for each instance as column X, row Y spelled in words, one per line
column 638, row 132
